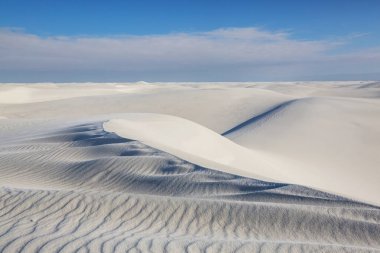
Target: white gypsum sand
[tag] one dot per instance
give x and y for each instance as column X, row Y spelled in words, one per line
column 155, row 167
column 204, row 147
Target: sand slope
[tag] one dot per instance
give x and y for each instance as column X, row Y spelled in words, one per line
column 202, row 146
column 187, row 181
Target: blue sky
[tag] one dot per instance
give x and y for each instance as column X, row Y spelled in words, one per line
column 224, row 40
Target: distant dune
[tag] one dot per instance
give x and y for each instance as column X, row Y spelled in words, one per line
column 190, row 167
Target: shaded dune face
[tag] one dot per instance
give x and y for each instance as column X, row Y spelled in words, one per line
column 81, row 189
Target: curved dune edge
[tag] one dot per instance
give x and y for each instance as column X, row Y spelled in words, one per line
column 202, row 146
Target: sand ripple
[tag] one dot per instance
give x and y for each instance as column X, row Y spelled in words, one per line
column 81, row 189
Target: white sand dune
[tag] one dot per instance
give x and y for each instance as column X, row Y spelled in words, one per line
column 318, row 167
column 193, row 143
column 180, row 173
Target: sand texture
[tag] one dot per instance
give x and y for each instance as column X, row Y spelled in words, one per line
column 190, row 167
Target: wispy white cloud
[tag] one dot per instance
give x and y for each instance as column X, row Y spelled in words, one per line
column 243, row 53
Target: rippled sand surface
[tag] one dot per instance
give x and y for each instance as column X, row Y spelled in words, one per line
column 70, row 184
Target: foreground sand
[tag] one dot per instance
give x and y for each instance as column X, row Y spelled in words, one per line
column 274, row 167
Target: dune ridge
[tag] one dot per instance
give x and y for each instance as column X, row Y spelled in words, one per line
column 204, row 147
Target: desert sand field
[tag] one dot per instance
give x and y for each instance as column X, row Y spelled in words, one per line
column 190, row 167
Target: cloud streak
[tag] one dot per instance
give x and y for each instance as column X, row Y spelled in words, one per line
column 222, row 54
